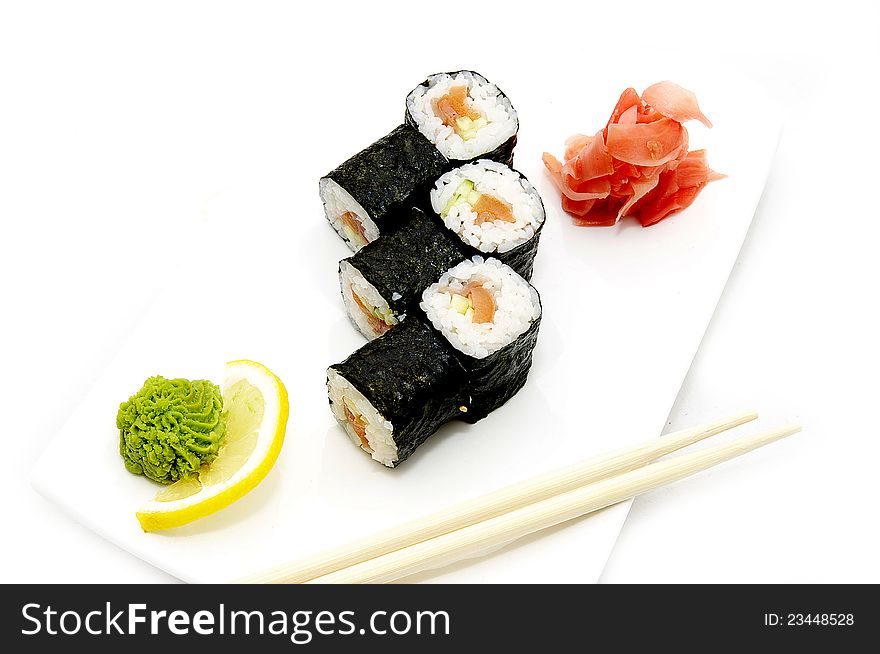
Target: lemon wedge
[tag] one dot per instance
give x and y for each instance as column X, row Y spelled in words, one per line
column 256, row 408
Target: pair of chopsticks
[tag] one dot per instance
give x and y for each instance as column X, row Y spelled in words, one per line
column 503, row 516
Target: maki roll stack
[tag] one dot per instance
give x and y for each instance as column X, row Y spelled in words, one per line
column 445, row 234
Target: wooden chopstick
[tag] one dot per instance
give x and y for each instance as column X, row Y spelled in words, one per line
column 528, row 519
column 492, row 505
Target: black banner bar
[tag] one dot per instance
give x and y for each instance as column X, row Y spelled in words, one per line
column 435, row 618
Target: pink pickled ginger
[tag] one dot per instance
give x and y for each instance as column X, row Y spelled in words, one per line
column 638, row 164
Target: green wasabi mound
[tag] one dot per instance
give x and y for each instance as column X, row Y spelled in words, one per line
column 170, row 428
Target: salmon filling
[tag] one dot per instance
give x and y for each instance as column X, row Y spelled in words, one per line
column 358, row 425
column 489, row 208
column 455, row 112
column 354, row 227
column 378, row 325
column 475, row 302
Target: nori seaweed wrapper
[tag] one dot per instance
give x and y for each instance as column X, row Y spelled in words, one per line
column 412, row 378
column 388, row 174
column 404, row 263
column 502, row 154
column 522, row 257
column 498, row 377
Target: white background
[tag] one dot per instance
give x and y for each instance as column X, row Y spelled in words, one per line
column 795, row 335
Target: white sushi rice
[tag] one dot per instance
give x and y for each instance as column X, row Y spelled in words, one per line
column 516, row 306
column 502, row 122
column 501, row 182
column 337, row 201
column 378, row 431
column 351, row 280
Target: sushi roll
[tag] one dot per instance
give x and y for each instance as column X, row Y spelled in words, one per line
column 364, row 196
column 396, row 391
column 493, row 210
column 465, row 116
column 490, row 315
column 384, row 281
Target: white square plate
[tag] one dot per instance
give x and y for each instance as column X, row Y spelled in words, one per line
column 624, row 311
